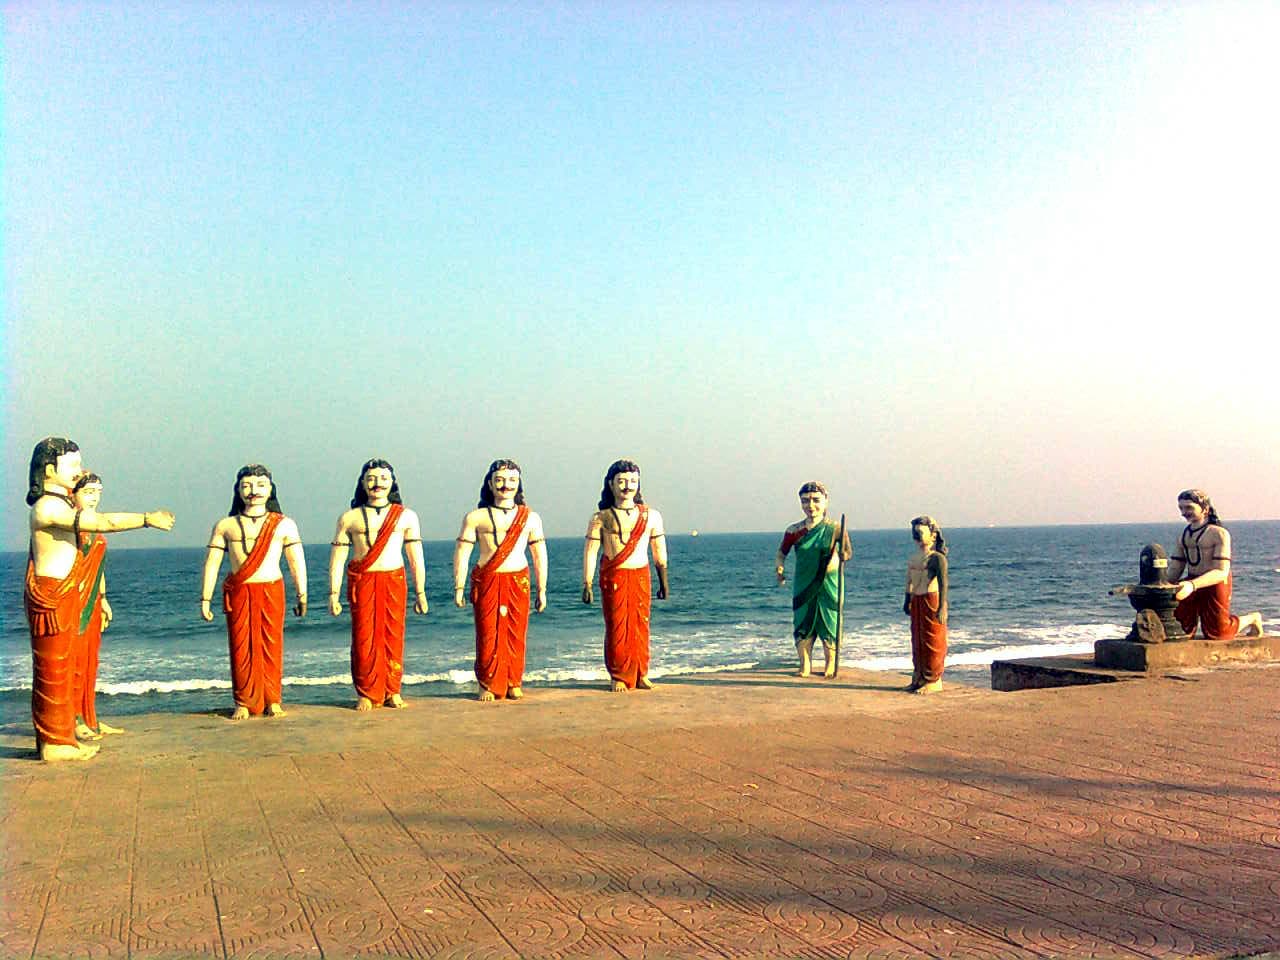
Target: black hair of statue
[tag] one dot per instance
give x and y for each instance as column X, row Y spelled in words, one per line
column 486, row 492
column 1201, row 499
column 253, row 470
column 939, row 541
column 615, row 468
column 85, row 480
column 361, row 497
column 45, row 454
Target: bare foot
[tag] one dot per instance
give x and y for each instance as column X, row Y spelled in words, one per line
column 240, row 713
column 106, row 728
column 364, row 704
column 830, row 669
column 275, row 710
column 86, row 732
column 618, row 687
column 515, row 693
column 804, row 648
column 486, row 696
column 931, row 687
column 1249, row 621
column 49, row 752
column 395, row 701
column 644, row 683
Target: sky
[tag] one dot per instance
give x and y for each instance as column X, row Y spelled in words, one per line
column 1003, row 263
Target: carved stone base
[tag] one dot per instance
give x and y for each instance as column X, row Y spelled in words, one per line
column 1128, row 655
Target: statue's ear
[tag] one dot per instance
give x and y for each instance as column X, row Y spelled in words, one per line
column 50, row 471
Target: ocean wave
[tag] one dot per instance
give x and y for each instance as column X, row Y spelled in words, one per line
column 979, row 658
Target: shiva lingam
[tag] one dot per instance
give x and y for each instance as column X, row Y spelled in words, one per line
column 1154, row 597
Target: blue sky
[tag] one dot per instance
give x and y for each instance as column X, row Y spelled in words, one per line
column 1002, row 263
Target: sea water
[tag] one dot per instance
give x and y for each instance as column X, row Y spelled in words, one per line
column 1015, row 592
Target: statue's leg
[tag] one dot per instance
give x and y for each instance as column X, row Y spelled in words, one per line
column 804, row 647
column 829, row 648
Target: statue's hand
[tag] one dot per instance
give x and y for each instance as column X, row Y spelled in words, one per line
column 587, row 595
column 942, row 614
column 906, row 606
column 458, row 599
column 662, row 591
column 542, row 600
column 1185, row 589
column 335, row 605
column 420, row 604
column 205, row 611
column 160, row 519
column 300, row 608
column 106, row 614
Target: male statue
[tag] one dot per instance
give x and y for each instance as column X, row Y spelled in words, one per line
column 381, row 529
column 58, row 578
column 626, row 527
column 504, row 527
column 253, row 535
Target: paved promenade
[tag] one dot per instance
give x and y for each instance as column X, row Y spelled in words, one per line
column 752, row 815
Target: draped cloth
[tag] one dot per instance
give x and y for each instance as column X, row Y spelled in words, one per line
column 90, row 626
column 53, row 616
column 1211, row 608
column 928, row 639
column 500, row 606
column 377, row 601
column 255, row 628
column 625, row 597
column 815, row 604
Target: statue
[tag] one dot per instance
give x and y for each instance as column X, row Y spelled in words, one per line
column 382, row 530
column 504, row 527
column 58, row 576
column 626, row 527
column 1201, row 566
column 95, row 616
column 817, row 599
column 926, row 603
column 254, row 534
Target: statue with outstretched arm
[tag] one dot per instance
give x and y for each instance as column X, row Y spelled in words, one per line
column 57, row 583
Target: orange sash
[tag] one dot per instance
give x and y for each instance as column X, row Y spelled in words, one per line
column 389, row 523
column 253, row 561
column 623, row 555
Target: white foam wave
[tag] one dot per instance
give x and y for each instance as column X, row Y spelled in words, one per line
column 979, row 658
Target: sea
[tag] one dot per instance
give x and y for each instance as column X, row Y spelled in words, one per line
column 1015, row 592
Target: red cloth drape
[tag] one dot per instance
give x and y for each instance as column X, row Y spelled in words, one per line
column 928, row 638
column 1211, row 608
column 377, row 599
column 255, row 627
column 500, row 607
column 624, row 595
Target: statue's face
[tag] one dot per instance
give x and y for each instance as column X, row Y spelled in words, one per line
column 814, row 504
column 377, row 484
column 1192, row 512
column 65, row 471
column 255, row 492
column 624, row 487
column 89, row 496
column 923, row 535
column 505, row 484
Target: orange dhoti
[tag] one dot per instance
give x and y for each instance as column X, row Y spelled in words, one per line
column 500, row 605
column 1211, row 608
column 255, row 633
column 928, row 638
column 86, row 681
column 624, row 595
column 53, row 615
column 377, row 599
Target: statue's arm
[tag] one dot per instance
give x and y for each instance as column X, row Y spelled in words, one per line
column 538, row 552
column 591, row 553
column 412, row 534
column 658, row 543
column 296, row 558
column 938, row 571
column 462, row 547
column 52, row 513
column 906, row 592
column 212, row 562
column 339, row 548
column 107, row 612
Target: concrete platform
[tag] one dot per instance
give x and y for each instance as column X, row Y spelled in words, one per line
column 1127, row 655
column 1035, row 673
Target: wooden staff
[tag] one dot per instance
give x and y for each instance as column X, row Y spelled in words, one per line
column 840, row 598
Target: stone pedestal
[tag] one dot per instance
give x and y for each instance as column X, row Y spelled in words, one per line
column 1127, row 655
